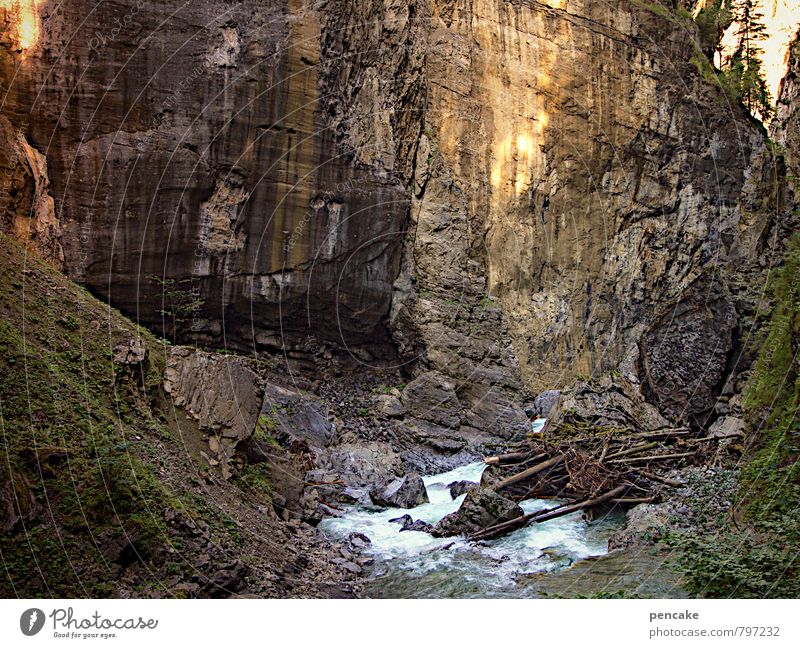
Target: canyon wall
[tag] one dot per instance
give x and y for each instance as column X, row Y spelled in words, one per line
column 196, row 182
column 508, row 194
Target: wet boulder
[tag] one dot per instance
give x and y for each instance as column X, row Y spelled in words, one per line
column 401, row 492
column 410, row 524
column 458, row 488
column 481, row 508
column 358, row 542
column 353, row 495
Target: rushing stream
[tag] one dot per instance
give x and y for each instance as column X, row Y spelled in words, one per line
column 415, row 564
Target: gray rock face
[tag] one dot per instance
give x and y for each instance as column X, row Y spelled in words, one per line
column 609, row 402
column 432, row 397
column 786, row 124
column 221, row 392
column 481, row 508
column 132, row 353
column 361, row 465
column 685, row 351
column 727, row 426
column 309, row 199
column 296, row 416
column 401, row 492
column 644, row 524
column 389, row 406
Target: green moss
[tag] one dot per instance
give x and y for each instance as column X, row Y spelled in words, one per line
column 256, row 476
column 265, row 429
column 757, row 557
column 61, row 391
column 771, row 481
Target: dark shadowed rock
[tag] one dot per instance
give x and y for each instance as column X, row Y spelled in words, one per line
column 432, row 397
column 17, row 501
column 407, row 523
column 292, row 415
column 237, row 237
column 418, row 525
column 481, row 508
column 402, row 492
column 684, row 358
column 403, row 520
column 358, row 541
column 458, row 488
column 544, row 402
column 230, row 579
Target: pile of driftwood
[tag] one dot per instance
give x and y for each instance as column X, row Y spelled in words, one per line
column 591, row 471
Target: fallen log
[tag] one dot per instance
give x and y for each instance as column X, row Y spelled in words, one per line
column 513, row 458
column 530, row 472
column 582, row 505
column 633, row 500
column 543, row 516
column 664, row 433
column 633, row 450
column 678, row 455
column 497, row 530
column 605, row 449
column 716, row 438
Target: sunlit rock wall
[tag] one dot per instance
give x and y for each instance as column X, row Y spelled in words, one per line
column 511, row 193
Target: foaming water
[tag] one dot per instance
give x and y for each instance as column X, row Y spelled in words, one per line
column 415, row 564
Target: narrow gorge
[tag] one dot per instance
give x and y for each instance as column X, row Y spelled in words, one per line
column 375, row 298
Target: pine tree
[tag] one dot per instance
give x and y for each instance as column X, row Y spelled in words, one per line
column 745, row 66
column 712, row 21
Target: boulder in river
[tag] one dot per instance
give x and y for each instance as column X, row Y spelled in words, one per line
column 458, row 488
column 358, row 541
column 401, row 492
column 410, row 524
column 481, row 508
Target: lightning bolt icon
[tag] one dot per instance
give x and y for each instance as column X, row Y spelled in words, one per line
column 32, row 621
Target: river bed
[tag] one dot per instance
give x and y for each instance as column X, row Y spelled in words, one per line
column 413, row 564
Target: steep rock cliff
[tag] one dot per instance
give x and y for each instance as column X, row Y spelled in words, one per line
column 786, row 125
column 609, row 174
column 196, row 181
column 512, row 193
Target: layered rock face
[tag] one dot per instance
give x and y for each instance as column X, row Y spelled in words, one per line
column 27, row 209
column 581, row 172
column 624, row 204
column 510, row 193
column 786, row 125
column 197, row 183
